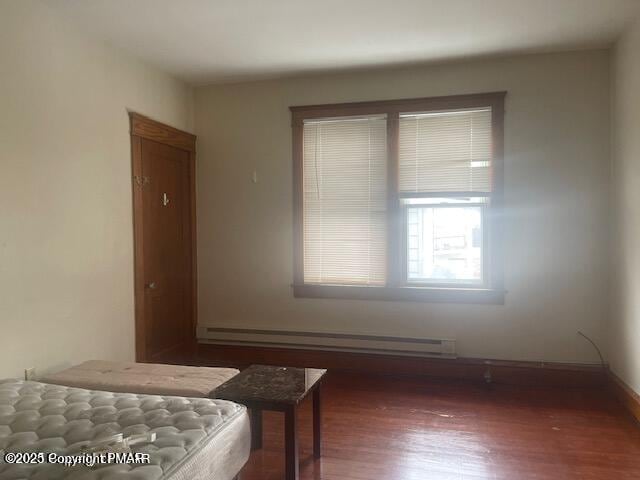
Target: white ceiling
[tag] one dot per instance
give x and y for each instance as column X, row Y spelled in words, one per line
column 205, row 41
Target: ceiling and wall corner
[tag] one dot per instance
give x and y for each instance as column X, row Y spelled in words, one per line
column 206, row 42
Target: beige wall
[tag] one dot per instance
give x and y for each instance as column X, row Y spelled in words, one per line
column 66, row 252
column 66, row 280
column 557, row 169
column 624, row 325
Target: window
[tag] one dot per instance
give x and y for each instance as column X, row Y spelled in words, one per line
column 345, row 175
column 444, row 171
column 443, row 243
column 399, row 199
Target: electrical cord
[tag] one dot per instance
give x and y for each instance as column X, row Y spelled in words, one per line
column 602, row 362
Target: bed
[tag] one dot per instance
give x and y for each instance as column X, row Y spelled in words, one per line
column 147, row 378
column 196, row 438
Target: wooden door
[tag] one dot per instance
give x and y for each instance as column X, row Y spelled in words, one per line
column 164, row 226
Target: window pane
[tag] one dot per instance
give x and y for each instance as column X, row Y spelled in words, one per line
column 444, row 244
column 345, row 179
column 447, row 151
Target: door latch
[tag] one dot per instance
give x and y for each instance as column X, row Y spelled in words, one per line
column 165, row 200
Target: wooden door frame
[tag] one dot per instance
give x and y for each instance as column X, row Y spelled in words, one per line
column 142, row 127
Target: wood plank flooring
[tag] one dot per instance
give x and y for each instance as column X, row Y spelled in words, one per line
column 377, row 427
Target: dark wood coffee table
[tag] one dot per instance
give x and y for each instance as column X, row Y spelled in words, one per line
column 265, row 387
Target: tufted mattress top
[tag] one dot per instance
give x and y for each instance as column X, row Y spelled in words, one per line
column 196, row 437
column 149, row 378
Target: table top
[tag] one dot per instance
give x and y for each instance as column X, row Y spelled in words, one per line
column 270, row 385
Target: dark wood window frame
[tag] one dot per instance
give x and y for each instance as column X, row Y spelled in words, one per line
column 396, row 288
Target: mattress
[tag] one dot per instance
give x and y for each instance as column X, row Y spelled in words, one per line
column 149, row 378
column 196, row 438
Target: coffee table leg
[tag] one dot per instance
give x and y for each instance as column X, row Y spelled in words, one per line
column 317, row 424
column 290, row 444
column 256, row 429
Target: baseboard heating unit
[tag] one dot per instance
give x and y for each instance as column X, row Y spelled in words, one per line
column 431, row 347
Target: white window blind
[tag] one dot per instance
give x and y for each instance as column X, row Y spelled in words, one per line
column 345, row 178
column 447, row 151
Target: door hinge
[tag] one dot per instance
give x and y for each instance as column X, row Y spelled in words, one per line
column 141, row 181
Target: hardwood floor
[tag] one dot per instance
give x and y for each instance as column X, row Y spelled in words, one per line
column 377, row 427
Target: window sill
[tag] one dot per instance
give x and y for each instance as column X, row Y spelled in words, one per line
column 411, row 294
